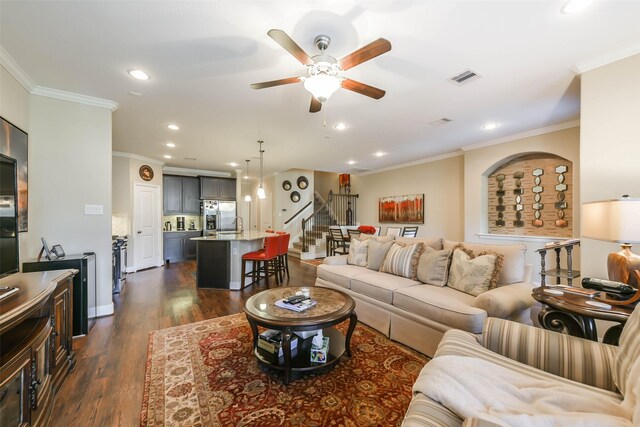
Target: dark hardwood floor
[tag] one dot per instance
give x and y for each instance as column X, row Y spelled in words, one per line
column 106, row 387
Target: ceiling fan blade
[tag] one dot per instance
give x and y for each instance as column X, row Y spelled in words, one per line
column 365, row 53
column 290, row 46
column 315, row 105
column 363, row 89
column 275, row 83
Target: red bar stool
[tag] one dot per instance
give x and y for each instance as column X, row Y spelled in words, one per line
column 269, row 259
column 283, row 254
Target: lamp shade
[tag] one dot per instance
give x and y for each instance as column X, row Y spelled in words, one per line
column 261, row 193
column 612, row 220
column 247, row 198
column 322, row 86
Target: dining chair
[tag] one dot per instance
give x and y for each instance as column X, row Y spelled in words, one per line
column 378, row 230
column 393, row 231
column 353, row 233
column 339, row 245
column 410, row 232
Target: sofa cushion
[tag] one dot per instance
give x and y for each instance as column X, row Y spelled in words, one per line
column 380, row 286
column 402, row 260
column 376, row 253
column 338, row 274
column 433, row 267
column 474, row 274
column 382, row 239
column 358, row 252
column 514, row 259
column 629, row 352
column 435, row 243
column 443, row 305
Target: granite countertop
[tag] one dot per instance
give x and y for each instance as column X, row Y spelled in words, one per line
column 233, row 236
column 180, row 231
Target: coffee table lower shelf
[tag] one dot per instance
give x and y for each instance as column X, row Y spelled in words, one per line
column 301, row 355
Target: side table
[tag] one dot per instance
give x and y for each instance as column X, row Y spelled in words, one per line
column 571, row 314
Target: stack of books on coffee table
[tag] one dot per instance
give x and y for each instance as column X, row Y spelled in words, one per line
column 296, row 303
column 270, row 344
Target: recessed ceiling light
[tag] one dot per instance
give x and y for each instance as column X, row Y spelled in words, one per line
column 340, row 126
column 170, row 144
column 351, row 162
column 232, row 164
column 490, row 126
column 166, row 156
column 134, row 93
column 379, row 154
column 574, row 6
column 245, row 177
column 173, row 127
column 139, row 74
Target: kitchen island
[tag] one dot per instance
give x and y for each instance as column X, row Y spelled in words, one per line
column 219, row 258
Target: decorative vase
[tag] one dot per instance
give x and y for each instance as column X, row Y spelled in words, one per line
column 620, row 266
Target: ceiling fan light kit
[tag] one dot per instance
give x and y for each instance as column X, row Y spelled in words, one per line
column 323, row 69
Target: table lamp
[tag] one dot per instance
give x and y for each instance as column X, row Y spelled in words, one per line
column 616, row 221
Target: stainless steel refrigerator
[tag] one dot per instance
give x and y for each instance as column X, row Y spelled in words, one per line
column 218, row 216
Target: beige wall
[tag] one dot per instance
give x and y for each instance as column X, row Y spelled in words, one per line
column 441, row 181
column 609, row 145
column 283, row 207
column 325, row 181
column 480, row 162
column 69, row 168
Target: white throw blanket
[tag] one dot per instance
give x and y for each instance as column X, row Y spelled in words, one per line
column 472, row 387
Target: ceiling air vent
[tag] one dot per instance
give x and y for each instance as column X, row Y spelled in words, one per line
column 440, row 122
column 465, row 77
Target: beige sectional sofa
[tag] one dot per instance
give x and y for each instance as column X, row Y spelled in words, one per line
column 418, row 314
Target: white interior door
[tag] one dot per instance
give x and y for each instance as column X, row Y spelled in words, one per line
column 146, row 226
column 266, row 213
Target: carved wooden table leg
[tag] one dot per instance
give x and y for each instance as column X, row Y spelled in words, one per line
column 559, row 321
column 353, row 319
column 286, row 349
column 612, row 336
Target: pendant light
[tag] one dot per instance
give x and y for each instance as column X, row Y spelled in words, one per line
column 247, row 198
column 261, row 193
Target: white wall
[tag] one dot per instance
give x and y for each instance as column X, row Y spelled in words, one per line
column 609, row 146
column 283, row 207
column 441, row 181
column 70, row 167
column 480, row 162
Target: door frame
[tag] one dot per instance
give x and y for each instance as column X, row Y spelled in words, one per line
column 158, row 259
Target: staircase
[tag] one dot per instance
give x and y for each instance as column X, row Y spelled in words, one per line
column 338, row 210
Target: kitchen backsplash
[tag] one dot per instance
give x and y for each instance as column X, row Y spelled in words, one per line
column 173, row 220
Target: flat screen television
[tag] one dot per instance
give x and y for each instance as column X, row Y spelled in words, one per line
column 9, row 255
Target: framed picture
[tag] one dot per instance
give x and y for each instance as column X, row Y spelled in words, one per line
column 407, row 209
column 13, row 144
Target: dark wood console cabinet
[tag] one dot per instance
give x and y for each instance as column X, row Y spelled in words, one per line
column 35, row 345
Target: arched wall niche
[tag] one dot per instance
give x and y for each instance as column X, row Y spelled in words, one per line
column 530, row 194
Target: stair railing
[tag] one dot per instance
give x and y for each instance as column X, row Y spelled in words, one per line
column 337, row 210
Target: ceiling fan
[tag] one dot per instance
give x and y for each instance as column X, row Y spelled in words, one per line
column 323, row 69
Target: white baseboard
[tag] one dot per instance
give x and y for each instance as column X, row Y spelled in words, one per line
column 99, row 311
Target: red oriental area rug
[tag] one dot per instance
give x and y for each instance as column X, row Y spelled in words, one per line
column 205, row 374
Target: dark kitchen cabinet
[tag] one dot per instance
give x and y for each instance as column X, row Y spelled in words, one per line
column 217, row 188
column 181, row 195
column 178, row 245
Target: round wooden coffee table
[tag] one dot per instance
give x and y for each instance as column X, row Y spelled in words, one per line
column 332, row 308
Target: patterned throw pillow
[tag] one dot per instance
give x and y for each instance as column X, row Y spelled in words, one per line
column 358, row 253
column 474, row 274
column 402, row 260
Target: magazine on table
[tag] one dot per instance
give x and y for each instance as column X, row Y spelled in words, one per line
column 297, row 306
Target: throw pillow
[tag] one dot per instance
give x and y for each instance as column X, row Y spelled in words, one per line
column 358, row 253
column 474, row 274
column 433, row 267
column 402, row 260
column 377, row 253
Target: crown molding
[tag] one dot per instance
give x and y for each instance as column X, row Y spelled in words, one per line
column 415, row 163
column 522, row 135
column 605, row 59
column 26, row 82
column 137, row 157
column 195, row 172
column 15, row 70
column 75, row 97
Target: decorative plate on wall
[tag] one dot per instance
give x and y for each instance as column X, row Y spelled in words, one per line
column 146, row 173
column 303, row 182
column 295, row 197
column 286, row 185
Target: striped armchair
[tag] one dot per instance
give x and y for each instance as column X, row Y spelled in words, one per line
column 610, row 371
